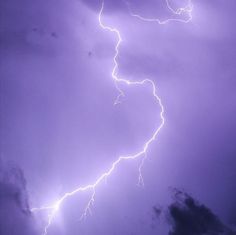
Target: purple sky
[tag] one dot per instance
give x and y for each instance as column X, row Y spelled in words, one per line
column 59, row 125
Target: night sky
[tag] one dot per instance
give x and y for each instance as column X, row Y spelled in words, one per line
column 60, row 129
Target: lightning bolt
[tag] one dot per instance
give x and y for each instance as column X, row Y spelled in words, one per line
column 187, row 10
column 55, row 207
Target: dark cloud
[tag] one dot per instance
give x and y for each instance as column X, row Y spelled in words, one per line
column 15, row 215
column 189, row 217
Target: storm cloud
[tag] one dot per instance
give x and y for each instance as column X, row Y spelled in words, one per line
column 189, row 217
column 15, row 215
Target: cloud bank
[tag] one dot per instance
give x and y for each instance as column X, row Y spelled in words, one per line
column 15, row 215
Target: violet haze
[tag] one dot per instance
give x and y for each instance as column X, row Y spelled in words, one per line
column 60, row 128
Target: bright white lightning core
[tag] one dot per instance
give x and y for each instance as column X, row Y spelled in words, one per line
column 187, row 11
column 54, row 207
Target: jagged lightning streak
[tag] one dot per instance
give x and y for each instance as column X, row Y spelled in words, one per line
column 56, row 205
column 178, row 12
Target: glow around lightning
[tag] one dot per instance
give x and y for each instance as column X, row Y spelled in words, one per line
column 187, row 10
column 55, row 206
